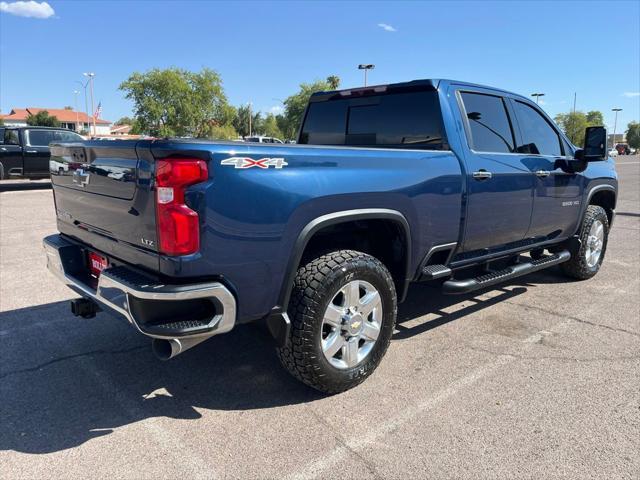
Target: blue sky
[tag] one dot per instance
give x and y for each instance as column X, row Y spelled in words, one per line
column 263, row 50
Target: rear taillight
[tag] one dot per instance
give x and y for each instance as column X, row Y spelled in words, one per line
column 178, row 225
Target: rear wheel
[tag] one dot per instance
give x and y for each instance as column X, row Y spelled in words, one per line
column 593, row 234
column 343, row 310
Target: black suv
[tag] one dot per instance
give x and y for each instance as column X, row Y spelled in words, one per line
column 24, row 151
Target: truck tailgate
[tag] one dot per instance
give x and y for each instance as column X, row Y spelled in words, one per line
column 103, row 197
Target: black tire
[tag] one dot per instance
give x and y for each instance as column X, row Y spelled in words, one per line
column 315, row 285
column 577, row 267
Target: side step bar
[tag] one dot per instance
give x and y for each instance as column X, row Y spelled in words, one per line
column 456, row 287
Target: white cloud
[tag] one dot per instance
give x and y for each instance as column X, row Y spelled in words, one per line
column 631, row 94
column 28, row 9
column 276, row 109
column 386, row 27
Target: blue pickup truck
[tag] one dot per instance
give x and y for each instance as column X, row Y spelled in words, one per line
column 452, row 183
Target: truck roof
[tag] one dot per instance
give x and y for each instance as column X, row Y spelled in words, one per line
column 422, row 84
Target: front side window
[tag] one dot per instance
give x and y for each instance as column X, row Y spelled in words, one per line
column 40, row 138
column 538, row 137
column 489, row 125
column 392, row 120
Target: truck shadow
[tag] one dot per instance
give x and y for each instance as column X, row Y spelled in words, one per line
column 65, row 384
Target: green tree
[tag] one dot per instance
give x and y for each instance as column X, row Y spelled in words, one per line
column 295, row 105
column 633, row 135
column 573, row 124
column 595, row 118
column 270, row 126
column 221, row 132
column 176, row 102
column 42, row 119
column 1, row 121
column 124, row 121
column 241, row 121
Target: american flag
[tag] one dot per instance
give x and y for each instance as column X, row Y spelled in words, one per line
column 98, row 110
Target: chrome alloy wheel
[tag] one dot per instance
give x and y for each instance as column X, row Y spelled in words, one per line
column 595, row 242
column 351, row 324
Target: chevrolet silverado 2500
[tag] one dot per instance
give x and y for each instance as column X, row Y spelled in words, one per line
column 426, row 181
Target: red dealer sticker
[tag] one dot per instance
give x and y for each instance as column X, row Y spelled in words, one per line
column 97, row 263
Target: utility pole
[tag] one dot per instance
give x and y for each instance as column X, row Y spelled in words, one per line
column 537, row 95
column 93, row 113
column 76, row 92
column 249, row 118
column 615, row 124
column 574, row 102
column 365, row 67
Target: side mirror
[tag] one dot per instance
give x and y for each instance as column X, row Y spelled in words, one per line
column 595, row 144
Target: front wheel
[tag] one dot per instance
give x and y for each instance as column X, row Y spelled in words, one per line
column 593, row 234
column 343, row 310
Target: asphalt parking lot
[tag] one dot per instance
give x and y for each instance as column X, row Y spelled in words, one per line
column 536, row 378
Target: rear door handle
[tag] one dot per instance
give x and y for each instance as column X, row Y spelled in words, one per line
column 482, row 175
column 543, row 173
column 32, row 151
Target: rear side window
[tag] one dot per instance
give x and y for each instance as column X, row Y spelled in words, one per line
column 489, row 125
column 395, row 120
column 538, row 136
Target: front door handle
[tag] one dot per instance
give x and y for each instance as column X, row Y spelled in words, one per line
column 543, row 173
column 482, row 175
column 32, row 151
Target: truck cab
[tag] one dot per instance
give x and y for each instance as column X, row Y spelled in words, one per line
column 461, row 185
column 24, row 151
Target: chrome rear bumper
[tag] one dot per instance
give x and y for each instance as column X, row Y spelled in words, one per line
column 126, row 291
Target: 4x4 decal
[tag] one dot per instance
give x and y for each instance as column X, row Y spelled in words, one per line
column 246, row 162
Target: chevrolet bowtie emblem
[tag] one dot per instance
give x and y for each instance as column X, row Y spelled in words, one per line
column 355, row 325
column 80, row 177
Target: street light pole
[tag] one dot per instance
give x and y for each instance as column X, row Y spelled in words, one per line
column 86, row 104
column 537, row 95
column 615, row 124
column 365, row 67
column 93, row 113
column 249, row 118
column 76, row 92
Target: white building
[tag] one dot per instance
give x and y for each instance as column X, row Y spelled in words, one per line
column 76, row 121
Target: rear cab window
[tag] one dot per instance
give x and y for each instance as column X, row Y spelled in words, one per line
column 403, row 119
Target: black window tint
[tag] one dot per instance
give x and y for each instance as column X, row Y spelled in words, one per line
column 67, row 137
column 488, row 123
column 325, row 123
column 538, row 137
column 11, row 137
column 1, row 135
column 41, row 138
column 400, row 120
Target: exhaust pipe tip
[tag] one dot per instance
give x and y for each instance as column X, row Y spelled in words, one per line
column 166, row 349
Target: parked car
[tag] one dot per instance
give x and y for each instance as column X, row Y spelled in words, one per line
column 623, row 149
column 613, row 152
column 261, row 139
column 428, row 181
column 24, row 151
